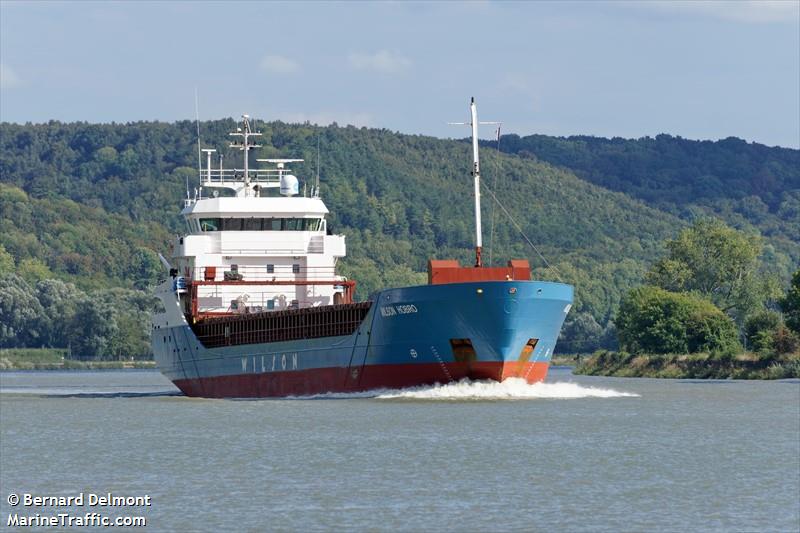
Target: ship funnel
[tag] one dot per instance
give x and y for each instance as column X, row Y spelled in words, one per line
column 289, row 185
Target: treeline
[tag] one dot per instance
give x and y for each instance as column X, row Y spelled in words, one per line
column 92, row 204
column 745, row 184
column 104, row 324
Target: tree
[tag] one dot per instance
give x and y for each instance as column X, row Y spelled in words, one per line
column 92, row 329
column 790, row 304
column 6, row 261
column 59, row 303
column 717, row 262
column 582, row 334
column 33, row 270
column 402, row 276
column 131, row 311
column 760, row 329
column 146, row 267
column 653, row 320
column 20, row 313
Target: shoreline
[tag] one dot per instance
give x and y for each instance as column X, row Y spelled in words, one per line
column 748, row 365
column 52, row 361
column 25, row 366
column 58, row 359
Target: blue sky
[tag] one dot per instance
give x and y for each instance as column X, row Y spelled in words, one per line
column 702, row 70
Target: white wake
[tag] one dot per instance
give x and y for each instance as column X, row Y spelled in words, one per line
column 510, row 389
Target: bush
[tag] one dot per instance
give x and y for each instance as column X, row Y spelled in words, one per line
column 790, row 304
column 653, row 320
column 759, row 330
column 785, row 341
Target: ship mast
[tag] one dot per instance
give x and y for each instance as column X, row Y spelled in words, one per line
column 476, row 174
column 245, row 146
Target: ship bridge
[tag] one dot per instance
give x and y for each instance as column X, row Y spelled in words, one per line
column 253, row 251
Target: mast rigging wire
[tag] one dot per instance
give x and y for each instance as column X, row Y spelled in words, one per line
column 519, row 229
column 494, row 187
column 197, row 121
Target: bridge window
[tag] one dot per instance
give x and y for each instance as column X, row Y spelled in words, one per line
column 210, row 224
column 251, row 224
column 261, row 224
column 311, row 224
column 232, row 224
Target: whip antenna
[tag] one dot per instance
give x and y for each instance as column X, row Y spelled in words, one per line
column 317, row 187
column 197, row 122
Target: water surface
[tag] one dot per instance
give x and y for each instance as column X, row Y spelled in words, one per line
column 575, row 454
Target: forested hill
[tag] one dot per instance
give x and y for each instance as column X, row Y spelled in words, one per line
column 742, row 183
column 92, row 204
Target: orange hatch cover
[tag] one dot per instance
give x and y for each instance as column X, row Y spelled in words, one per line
column 442, row 271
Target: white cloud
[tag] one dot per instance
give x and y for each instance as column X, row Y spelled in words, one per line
column 279, row 64
column 755, row 11
column 384, row 61
column 324, row 118
column 8, row 78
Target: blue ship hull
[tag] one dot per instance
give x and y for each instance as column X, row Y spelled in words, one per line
column 410, row 336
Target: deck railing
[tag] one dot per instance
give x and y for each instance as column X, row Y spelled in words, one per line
column 262, row 175
column 264, row 272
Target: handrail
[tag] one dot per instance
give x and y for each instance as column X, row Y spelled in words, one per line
column 285, row 273
column 262, row 175
column 256, row 251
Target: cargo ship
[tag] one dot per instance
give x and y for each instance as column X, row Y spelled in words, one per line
column 254, row 307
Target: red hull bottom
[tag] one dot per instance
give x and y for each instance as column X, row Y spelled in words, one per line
column 324, row 380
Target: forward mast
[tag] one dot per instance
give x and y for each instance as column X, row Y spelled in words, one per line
column 476, row 174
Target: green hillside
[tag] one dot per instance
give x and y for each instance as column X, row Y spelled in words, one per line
column 748, row 185
column 91, row 204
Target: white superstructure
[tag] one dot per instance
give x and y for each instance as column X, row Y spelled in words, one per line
column 248, row 248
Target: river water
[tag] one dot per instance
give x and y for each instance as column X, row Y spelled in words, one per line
column 573, row 454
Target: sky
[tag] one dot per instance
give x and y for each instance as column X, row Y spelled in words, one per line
column 701, row 70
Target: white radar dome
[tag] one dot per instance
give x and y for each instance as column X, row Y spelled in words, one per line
column 289, row 185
